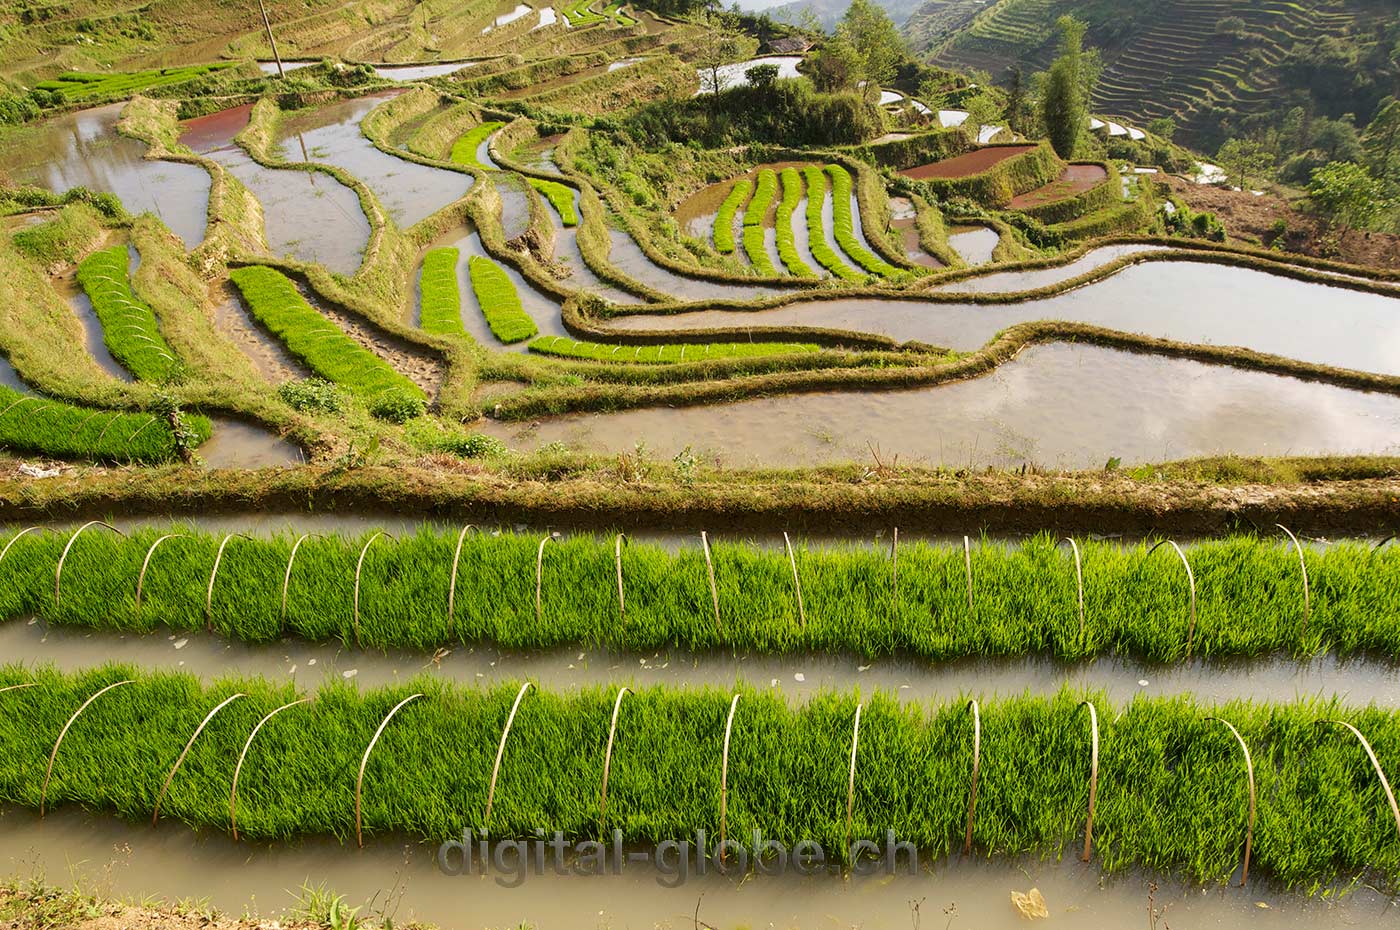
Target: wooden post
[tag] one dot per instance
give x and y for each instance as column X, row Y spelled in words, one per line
column 607, row 757
column 621, row 599
column 1093, row 778
column 724, row 776
column 796, row 581
column 539, row 580
column 267, row 24
column 851, row 781
column 710, row 568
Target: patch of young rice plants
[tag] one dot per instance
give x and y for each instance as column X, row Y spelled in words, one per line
column 129, row 327
column 326, row 350
column 441, row 300
column 844, row 227
column 1170, row 793
column 564, row 347
column 754, row 216
column 787, row 247
column 1024, row 599
column 560, row 196
column 724, row 219
column 500, row 303
column 29, row 423
column 79, row 85
column 579, row 14
column 465, row 148
column 816, row 232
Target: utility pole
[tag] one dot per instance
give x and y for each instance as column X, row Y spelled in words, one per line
column 267, row 24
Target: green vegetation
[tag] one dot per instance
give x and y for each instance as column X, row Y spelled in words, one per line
column 755, row 215
column 129, row 327
column 844, row 227
column 312, row 395
column 1170, row 788
column 787, row 247
column 274, row 300
column 1064, row 101
column 816, row 231
column 440, row 298
column 465, row 148
column 724, row 219
column 80, row 85
column 29, row 423
column 663, row 354
column 790, row 111
column 560, row 196
column 500, row 303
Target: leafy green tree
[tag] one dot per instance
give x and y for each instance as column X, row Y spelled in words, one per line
column 1382, row 141
column 836, row 66
column 982, row 110
column 875, row 38
column 762, row 77
column 1243, row 159
column 1064, row 100
column 717, row 43
column 1163, row 127
column 1018, row 103
column 1347, row 195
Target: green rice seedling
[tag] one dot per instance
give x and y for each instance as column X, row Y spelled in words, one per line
column 564, row 347
column 274, row 300
column 500, row 303
column 724, row 219
column 755, row 216
column 578, row 13
column 816, row 231
column 129, row 327
column 78, row 85
column 465, row 148
column 441, row 299
column 844, row 227
column 787, row 246
column 1171, row 792
column 29, row 423
column 560, row 196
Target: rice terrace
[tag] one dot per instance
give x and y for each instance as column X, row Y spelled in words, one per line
column 641, row 463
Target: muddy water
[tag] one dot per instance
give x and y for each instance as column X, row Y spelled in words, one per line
column 568, row 255
column 802, row 238
column 515, row 204
column 1010, row 282
column 236, row 444
column 307, row 215
column 173, row 862
column 93, row 339
column 331, row 135
column 83, row 149
column 270, row 67
column 420, row 365
column 627, row 257
column 736, row 75
column 1057, row 405
column 265, row 350
column 420, row 72
column 904, row 220
column 542, row 308
column 10, row 378
column 974, row 243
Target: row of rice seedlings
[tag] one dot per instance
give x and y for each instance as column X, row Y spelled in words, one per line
column 79, row 85
column 500, row 303
column 787, row 246
column 560, row 196
column 564, row 347
column 581, row 13
column 437, row 587
column 465, row 148
column 34, row 424
column 755, row 216
column 724, row 219
column 816, row 231
column 844, row 227
column 616, row 12
column 440, row 300
column 129, row 326
column 1171, row 789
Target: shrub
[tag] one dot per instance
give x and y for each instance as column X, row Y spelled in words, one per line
column 398, row 406
column 500, row 303
column 474, row 446
column 312, row 395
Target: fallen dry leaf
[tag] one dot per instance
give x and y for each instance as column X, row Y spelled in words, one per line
column 1031, row 905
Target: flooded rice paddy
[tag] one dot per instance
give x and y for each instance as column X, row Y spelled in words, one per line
column 420, row 72
column 238, row 444
column 1011, row 282
column 974, row 243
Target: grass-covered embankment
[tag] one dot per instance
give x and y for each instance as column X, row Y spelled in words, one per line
column 1170, row 793
column 129, row 326
column 563, row 347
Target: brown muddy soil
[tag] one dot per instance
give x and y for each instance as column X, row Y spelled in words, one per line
column 961, row 166
column 1075, row 179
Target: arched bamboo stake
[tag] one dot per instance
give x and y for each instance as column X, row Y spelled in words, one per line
column 617, row 557
column 359, row 566
column 1079, row 583
column 364, row 760
column 710, row 568
column 1303, row 565
column 967, row 561
column 1093, row 778
column 724, row 776
column 238, row 768
column 976, row 767
column 452, row 585
column 607, row 756
column 501, row 751
column 146, row 563
column 851, row 780
column 155, row 814
column 214, row 573
column 58, row 572
column 1191, row 580
column 14, row 539
column 796, row 581
column 48, row 773
column 1249, row 772
column 1375, row 764
column 20, row 687
column 287, row 575
column 894, row 573
column 1377, row 547
column 539, row 580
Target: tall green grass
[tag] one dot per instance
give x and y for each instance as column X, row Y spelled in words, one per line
column 816, row 232
column 465, row 148
column 560, row 196
column 129, row 327
column 1025, row 599
column 563, row 347
column 844, row 227
column 787, row 246
column 326, row 350
column 441, row 299
column 724, row 219
column 500, row 303
column 29, row 423
column 1171, row 787
column 755, row 216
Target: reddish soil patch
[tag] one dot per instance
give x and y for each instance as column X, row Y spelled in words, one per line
column 974, row 162
column 1075, row 179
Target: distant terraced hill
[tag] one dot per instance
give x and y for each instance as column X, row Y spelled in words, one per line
column 1199, row 61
